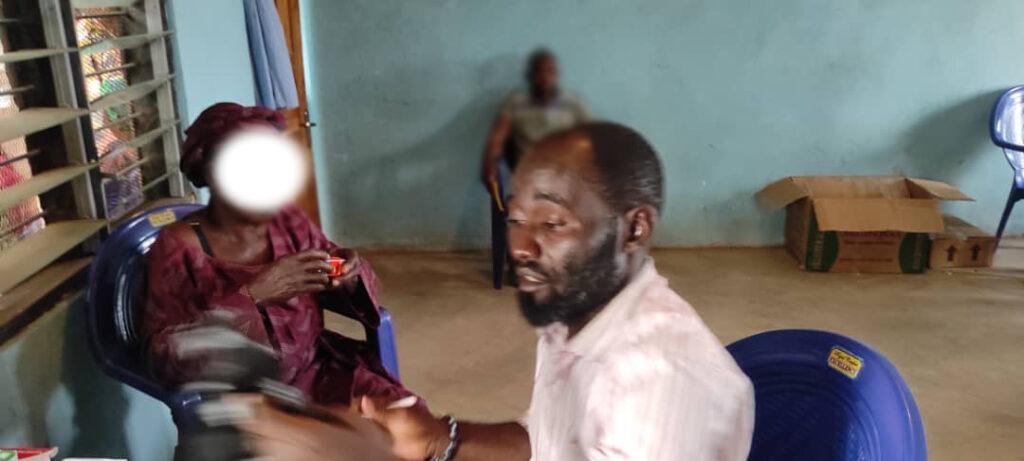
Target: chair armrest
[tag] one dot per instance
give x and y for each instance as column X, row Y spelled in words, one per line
column 384, row 337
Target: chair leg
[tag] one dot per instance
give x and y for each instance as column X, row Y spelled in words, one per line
column 1015, row 195
column 498, row 246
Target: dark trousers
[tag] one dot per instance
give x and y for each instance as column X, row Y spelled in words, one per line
column 499, row 235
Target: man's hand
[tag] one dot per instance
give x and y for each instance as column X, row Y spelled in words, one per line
column 416, row 434
column 274, row 435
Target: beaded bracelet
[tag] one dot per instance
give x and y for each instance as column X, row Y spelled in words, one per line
column 453, row 440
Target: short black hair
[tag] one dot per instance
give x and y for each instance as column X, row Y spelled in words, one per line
column 629, row 171
column 536, row 57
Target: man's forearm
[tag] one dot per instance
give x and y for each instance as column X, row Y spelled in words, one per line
column 492, row 153
column 485, row 442
column 495, row 146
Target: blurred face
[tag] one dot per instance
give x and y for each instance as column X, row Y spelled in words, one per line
column 257, row 172
column 544, row 75
column 565, row 241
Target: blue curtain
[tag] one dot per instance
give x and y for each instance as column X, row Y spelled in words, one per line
column 271, row 66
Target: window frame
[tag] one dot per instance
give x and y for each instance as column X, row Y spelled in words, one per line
column 24, row 298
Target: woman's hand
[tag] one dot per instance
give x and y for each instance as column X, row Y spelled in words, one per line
column 274, row 435
column 349, row 271
column 416, row 434
column 291, row 276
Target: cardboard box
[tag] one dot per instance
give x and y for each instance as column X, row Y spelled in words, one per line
column 961, row 245
column 860, row 223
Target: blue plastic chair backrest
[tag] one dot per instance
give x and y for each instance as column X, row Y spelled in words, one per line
column 117, row 291
column 1007, row 129
column 823, row 396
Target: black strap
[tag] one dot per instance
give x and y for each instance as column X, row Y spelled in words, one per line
column 267, row 324
column 203, row 241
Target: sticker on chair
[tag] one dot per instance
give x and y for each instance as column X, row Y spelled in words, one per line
column 844, row 362
column 162, row 218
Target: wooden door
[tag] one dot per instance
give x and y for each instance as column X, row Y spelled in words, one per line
column 298, row 118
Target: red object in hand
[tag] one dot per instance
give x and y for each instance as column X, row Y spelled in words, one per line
column 336, row 266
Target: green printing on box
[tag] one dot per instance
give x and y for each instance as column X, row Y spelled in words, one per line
column 823, row 249
column 915, row 250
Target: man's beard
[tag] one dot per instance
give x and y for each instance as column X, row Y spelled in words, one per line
column 592, row 282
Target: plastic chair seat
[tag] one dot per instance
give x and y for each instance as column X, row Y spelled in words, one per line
column 808, row 409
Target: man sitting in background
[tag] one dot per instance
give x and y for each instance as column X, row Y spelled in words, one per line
column 527, row 116
column 626, row 369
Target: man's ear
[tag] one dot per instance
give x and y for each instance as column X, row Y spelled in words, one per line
column 640, row 224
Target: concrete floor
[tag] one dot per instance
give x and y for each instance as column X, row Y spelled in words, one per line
column 957, row 336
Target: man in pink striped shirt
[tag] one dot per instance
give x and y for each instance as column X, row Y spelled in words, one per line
column 626, row 369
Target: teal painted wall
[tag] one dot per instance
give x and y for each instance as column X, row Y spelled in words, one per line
column 52, row 394
column 733, row 94
column 211, row 55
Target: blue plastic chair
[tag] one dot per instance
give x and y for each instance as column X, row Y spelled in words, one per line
column 116, row 295
column 1007, row 130
column 814, row 403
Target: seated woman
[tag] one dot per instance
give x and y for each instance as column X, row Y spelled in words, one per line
column 266, row 273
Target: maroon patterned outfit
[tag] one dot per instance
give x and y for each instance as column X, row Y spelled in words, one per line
column 185, row 284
